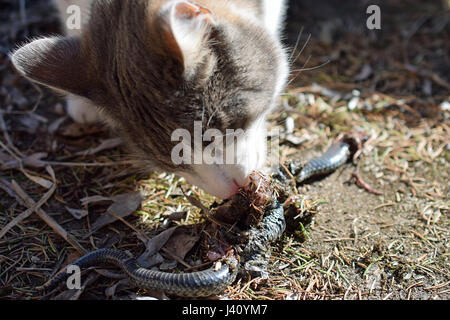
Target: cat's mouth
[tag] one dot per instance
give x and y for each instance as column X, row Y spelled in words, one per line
column 216, row 182
column 235, row 188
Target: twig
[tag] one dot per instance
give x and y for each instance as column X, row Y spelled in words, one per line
column 420, row 283
column 426, row 74
column 7, row 137
column 175, row 257
column 199, row 266
column 128, row 224
column 383, row 205
column 178, row 259
column 6, row 186
column 293, row 181
column 47, row 219
column 338, row 239
column 36, row 105
column 438, row 286
column 29, row 211
column 93, row 164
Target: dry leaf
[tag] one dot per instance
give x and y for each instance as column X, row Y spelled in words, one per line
column 75, row 294
column 35, row 160
column 111, row 291
column 181, row 243
column 54, row 126
column 123, row 206
column 7, row 161
column 365, row 73
column 153, row 246
column 40, row 181
column 94, row 199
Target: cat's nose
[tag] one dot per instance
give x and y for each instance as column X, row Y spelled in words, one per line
column 238, row 182
column 223, row 190
column 234, row 189
column 218, row 181
column 240, row 175
column 230, row 189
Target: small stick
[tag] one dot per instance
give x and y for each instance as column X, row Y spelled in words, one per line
column 6, row 186
column 47, row 219
column 289, row 174
column 384, row 205
column 129, row 225
column 92, row 164
column 29, row 211
column 175, row 257
column 7, row 137
column 438, row 286
column 197, row 203
column 199, row 266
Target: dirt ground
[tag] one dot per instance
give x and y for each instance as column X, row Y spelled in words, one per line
column 387, row 239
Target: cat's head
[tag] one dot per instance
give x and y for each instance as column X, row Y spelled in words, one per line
column 153, row 67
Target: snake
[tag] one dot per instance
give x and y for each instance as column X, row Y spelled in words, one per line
column 195, row 284
column 215, row 280
column 334, row 157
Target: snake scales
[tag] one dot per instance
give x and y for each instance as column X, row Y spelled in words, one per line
column 215, row 280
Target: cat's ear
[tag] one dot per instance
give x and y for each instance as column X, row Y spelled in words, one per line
column 187, row 27
column 54, row 62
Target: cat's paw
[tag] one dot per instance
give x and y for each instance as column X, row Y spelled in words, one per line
column 82, row 111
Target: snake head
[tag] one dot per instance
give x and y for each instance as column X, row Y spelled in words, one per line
column 356, row 141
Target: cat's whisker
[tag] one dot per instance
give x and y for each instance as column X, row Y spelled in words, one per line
column 296, row 43
column 304, row 65
column 302, row 49
column 308, row 69
column 196, row 71
column 313, row 68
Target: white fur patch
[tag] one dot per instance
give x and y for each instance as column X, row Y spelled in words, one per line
column 247, row 15
column 189, row 33
column 82, row 111
column 223, row 180
column 283, row 74
column 273, row 15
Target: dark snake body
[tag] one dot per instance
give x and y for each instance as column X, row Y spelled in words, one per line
column 337, row 155
column 196, row 284
column 214, row 280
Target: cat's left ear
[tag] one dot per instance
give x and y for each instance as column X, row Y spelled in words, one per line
column 55, row 62
column 187, row 27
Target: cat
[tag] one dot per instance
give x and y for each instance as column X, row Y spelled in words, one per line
column 150, row 67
